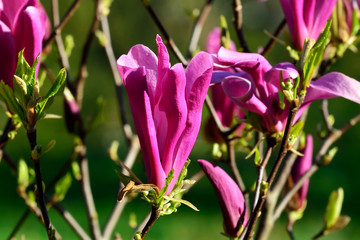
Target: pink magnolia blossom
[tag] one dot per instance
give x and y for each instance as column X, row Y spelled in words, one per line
column 300, row 167
column 22, row 26
column 306, row 18
column 256, row 84
column 166, row 103
column 230, row 197
column 224, row 107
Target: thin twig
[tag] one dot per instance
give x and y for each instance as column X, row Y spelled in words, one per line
column 198, row 26
column 239, row 24
column 272, row 40
column 58, row 27
column 119, row 206
column 282, row 152
column 170, row 42
column 87, row 193
column 232, row 163
column 155, row 214
column 31, row 135
column 78, row 89
column 31, row 207
column 325, row 114
column 333, row 136
column 117, row 80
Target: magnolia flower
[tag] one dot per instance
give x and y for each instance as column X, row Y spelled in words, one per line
column 230, row 197
column 224, row 107
column 255, row 87
column 306, row 18
column 300, row 167
column 166, row 104
column 22, row 26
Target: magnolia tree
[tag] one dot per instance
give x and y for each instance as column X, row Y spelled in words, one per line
column 257, row 109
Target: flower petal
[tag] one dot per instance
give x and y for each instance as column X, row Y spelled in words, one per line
column 135, row 82
column 288, row 70
column 198, row 74
column 213, row 42
column 333, row 85
column 230, row 197
column 241, row 90
column 173, row 103
column 301, row 166
column 29, row 32
column 8, row 55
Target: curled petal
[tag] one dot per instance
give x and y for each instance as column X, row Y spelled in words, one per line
column 230, row 197
column 333, row 85
column 241, row 90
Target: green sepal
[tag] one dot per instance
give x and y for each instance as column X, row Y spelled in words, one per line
column 182, row 174
column 56, row 89
column 62, row 187
column 333, row 209
column 166, row 185
column 295, row 132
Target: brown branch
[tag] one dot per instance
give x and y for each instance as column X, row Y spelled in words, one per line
column 232, row 163
column 333, row 137
column 155, row 214
column 119, row 206
column 59, row 26
column 78, row 89
column 282, row 152
column 170, row 42
column 198, row 26
column 271, row 42
column 31, row 135
column 87, row 193
column 117, row 80
column 237, row 6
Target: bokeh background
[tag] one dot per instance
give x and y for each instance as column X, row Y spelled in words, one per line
column 130, row 24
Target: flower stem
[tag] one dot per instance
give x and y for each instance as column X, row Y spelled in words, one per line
column 155, row 214
column 31, row 134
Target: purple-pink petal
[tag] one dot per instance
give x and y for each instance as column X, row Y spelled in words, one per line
column 333, row 85
column 213, row 42
column 230, row 197
column 300, row 167
column 166, row 104
column 286, row 69
column 8, row 55
column 29, row 33
column 241, row 90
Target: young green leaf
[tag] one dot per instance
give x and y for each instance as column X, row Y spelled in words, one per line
column 62, row 187
column 333, row 208
column 23, row 174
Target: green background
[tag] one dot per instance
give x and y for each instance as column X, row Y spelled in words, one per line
column 130, row 25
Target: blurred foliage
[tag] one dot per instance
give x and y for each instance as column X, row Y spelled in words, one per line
column 130, row 25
